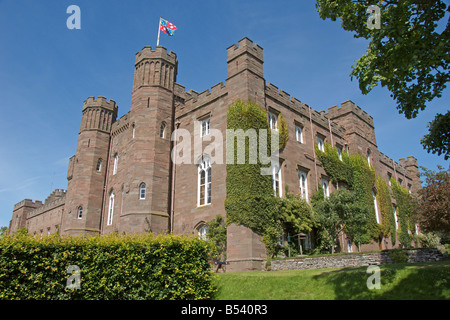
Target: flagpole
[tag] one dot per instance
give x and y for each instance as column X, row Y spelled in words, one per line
column 159, row 31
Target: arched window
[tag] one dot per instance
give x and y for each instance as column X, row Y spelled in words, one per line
column 110, row 209
column 116, row 162
column 99, row 165
column 368, row 157
column 142, row 191
column 80, row 212
column 302, row 176
column 203, row 232
column 276, row 180
column 204, row 182
column 162, row 130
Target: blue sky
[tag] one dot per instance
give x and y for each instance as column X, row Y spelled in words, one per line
column 47, row 71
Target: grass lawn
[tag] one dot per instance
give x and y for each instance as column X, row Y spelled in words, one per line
column 398, row 282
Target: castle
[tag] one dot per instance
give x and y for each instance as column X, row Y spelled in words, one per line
column 121, row 178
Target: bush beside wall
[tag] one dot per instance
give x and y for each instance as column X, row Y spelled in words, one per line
column 111, row 267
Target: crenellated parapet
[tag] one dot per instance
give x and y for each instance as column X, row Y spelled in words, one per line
column 155, row 68
column 319, row 118
column 350, row 107
column 98, row 114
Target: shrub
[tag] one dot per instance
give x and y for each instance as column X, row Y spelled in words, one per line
column 129, row 267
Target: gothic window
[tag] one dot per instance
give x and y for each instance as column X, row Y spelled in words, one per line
column 142, row 191
column 299, row 134
column 116, row 162
column 110, row 209
column 204, row 128
column 204, row 182
column 80, row 212
column 302, row 176
column 133, row 132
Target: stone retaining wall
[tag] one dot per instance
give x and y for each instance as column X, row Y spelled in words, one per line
column 354, row 260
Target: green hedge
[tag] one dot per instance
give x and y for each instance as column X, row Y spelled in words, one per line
column 111, row 267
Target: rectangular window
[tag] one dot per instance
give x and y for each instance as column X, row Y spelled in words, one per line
column 299, row 134
column 320, row 144
column 273, row 121
column 376, row 207
column 116, row 162
column 205, row 125
column 349, row 245
column 409, row 188
column 339, row 151
column 302, row 176
column 276, row 180
column 389, row 178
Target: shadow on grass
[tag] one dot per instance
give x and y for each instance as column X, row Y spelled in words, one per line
column 398, row 282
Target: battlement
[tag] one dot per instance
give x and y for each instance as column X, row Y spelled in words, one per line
column 28, row 203
column 101, row 101
column 302, row 108
column 158, row 53
column 56, row 194
column 244, row 45
column 410, row 161
column 347, row 107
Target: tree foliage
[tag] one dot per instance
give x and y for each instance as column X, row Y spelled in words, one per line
column 407, row 54
column 434, row 203
column 341, row 211
column 437, row 140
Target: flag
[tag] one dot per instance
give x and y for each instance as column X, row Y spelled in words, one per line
column 167, row 27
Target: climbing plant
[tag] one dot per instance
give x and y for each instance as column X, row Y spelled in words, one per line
column 386, row 209
column 406, row 213
column 250, row 200
column 354, row 171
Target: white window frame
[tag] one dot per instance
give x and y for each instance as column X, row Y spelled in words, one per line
column 321, row 144
column 276, row 180
column 110, row 209
column 204, row 168
column 116, row 163
column 376, row 206
column 142, row 191
column 299, row 134
column 303, row 184
column 205, row 126
column 326, row 188
column 273, row 121
column 80, row 212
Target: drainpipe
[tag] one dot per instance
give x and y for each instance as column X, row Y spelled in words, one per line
column 106, row 182
column 174, row 168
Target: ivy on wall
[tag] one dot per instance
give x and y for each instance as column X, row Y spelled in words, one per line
column 406, row 212
column 354, row 171
column 384, row 200
column 250, row 200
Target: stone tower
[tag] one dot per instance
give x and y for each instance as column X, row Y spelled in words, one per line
column 145, row 190
column 87, row 168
